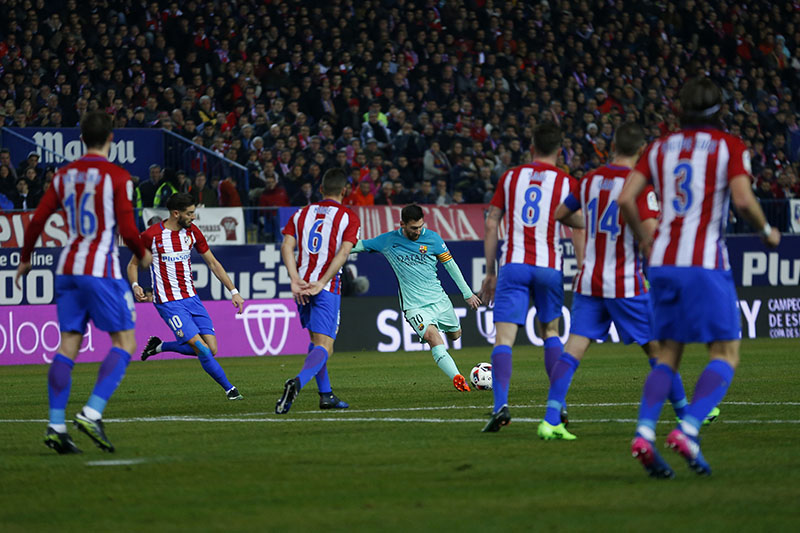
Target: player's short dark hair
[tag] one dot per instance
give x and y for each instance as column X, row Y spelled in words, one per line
column 411, row 212
column 628, row 138
column 701, row 103
column 333, row 181
column 96, row 126
column 179, row 201
column 547, row 138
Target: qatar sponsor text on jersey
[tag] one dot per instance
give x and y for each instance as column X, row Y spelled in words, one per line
column 529, row 195
column 320, row 230
column 611, row 266
column 171, row 270
column 691, row 170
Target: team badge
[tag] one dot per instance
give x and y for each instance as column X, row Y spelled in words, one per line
column 421, row 326
column 423, row 249
column 179, row 333
column 187, row 240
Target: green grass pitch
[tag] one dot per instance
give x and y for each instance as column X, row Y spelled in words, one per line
column 408, row 454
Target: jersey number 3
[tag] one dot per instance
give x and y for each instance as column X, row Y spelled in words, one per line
column 683, row 192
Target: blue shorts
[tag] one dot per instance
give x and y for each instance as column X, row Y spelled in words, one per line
column 517, row 282
column 186, row 318
column 107, row 301
column 633, row 318
column 321, row 313
column 694, row 304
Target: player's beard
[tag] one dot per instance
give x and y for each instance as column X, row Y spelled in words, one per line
column 411, row 237
column 185, row 223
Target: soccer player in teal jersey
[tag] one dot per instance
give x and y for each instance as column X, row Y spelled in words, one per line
column 413, row 252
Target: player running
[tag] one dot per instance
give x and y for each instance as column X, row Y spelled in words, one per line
column 96, row 196
column 324, row 233
column 530, row 260
column 695, row 171
column 413, row 253
column 174, row 296
column 610, row 285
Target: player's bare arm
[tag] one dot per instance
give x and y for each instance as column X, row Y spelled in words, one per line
column 287, row 254
column 568, row 217
column 635, row 183
column 748, row 207
column 133, row 278
column 490, row 238
column 336, row 265
column 216, row 267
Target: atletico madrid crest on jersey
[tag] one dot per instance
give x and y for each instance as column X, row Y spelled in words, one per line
column 423, row 249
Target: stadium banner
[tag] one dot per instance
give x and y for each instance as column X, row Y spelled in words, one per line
column 14, row 225
column 134, row 149
column 257, row 271
column 794, row 214
column 453, row 223
column 220, row 225
column 378, row 323
column 29, row 334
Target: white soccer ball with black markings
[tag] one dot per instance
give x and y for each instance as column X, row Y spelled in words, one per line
column 481, row 376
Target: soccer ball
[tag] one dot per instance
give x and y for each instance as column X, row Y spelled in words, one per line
column 481, row 376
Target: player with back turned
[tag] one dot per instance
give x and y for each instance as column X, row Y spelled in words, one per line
column 530, row 259
column 323, row 234
column 696, row 172
column 96, row 196
column 610, row 285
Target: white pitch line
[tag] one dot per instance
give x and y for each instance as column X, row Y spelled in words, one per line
column 387, row 419
column 118, row 462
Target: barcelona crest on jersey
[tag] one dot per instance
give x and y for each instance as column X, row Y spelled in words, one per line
column 423, row 249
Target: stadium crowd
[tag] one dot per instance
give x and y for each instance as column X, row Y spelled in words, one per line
column 427, row 101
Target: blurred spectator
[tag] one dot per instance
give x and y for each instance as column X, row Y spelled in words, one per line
column 435, row 162
column 386, row 194
column 167, row 187
column 202, row 193
column 147, row 189
column 425, row 194
column 362, row 195
column 228, row 194
column 305, row 195
column 24, row 198
column 442, row 196
column 402, row 196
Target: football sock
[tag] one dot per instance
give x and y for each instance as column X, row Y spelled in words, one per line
column 108, row 378
column 175, row 346
column 444, row 361
column 501, row 375
column 656, row 389
column 211, row 366
column 560, row 379
column 552, row 351
column 323, row 382
column 59, row 381
column 709, row 391
column 315, row 359
column 677, row 395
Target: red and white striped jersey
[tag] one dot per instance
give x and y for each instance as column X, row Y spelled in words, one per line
column 611, row 265
column 529, row 195
column 96, row 197
column 320, row 230
column 171, row 270
column 691, row 170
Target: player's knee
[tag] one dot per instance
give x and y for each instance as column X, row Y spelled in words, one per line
column 550, row 329
column 454, row 335
column 202, row 351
